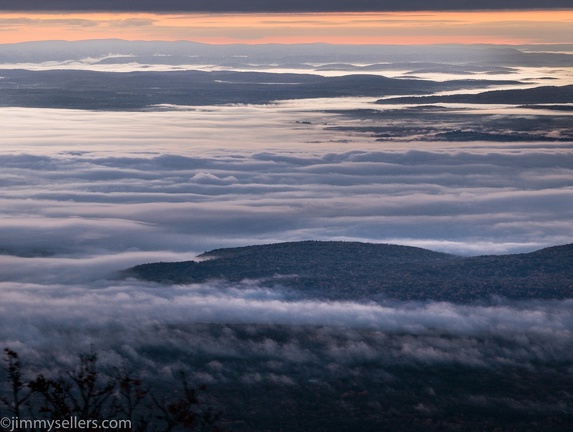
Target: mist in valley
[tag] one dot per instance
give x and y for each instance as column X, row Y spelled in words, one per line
column 91, row 188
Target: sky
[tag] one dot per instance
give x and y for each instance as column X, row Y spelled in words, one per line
column 547, row 26
column 279, row 5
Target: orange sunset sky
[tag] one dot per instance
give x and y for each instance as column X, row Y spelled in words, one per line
column 506, row 27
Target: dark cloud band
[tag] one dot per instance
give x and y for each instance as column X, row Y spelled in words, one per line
column 276, row 5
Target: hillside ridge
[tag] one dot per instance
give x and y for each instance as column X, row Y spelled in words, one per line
column 339, row 270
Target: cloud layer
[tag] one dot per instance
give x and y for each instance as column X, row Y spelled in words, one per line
column 129, row 318
column 274, row 6
column 88, row 193
column 86, row 184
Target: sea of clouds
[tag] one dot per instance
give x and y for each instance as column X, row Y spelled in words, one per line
column 86, row 194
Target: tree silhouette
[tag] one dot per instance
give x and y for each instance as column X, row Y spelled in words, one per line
column 87, row 394
column 13, row 368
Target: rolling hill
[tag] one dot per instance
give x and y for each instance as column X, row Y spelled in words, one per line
column 360, row 271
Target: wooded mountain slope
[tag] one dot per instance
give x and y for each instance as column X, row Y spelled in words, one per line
column 357, row 271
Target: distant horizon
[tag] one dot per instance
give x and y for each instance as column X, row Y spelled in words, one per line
column 549, row 44
column 501, row 27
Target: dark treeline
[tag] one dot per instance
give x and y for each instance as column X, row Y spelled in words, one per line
column 335, row 389
column 86, row 394
column 74, row 89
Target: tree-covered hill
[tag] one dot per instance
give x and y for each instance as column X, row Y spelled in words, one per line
column 358, row 271
column 133, row 91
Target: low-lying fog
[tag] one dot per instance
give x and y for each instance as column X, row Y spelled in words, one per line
column 88, row 193
column 129, row 318
column 90, row 185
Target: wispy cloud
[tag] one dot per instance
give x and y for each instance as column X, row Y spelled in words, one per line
column 123, row 318
column 173, row 182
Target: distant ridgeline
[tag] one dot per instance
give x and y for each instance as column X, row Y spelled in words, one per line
column 360, row 271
